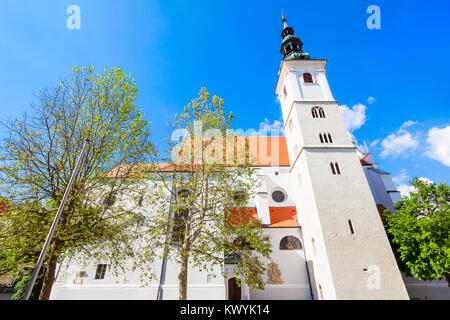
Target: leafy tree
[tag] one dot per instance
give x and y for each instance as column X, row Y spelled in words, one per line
column 37, row 160
column 22, row 284
column 420, row 231
column 199, row 200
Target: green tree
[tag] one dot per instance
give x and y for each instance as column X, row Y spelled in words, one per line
column 199, row 199
column 22, row 284
column 420, row 231
column 37, row 160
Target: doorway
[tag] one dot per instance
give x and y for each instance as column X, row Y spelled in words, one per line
column 234, row 291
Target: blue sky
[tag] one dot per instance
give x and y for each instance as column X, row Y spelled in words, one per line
column 173, row 48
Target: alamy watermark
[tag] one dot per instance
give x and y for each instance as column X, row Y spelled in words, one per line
column 374, row 20
column 374, row 280
column 74, row 20
column 233, row 147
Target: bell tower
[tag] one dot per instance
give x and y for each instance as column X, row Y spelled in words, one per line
column 347, row 250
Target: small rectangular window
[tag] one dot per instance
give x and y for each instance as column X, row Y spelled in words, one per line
column 100, row 273
column 351, row 226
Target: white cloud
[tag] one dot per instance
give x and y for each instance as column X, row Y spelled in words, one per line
column 401, row 177
column 398, row 143
column 370, row 100
column 406, row 189
column 361, row 148
column 375, row 142
column 426, row 180
column 439, row 145
column 276, row 125
column 354, row 117
column 408, row 123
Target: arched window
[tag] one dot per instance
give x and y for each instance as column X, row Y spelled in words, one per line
column 239, row 196
column 242, row 244
column 290, row 243
column 321, row 113
column 183, row 193
column 337, row 168
column 326, row 137
column 179, row 218
column 110, row 200
column 307, row 78
column 332, row 168
column 179, row 225
column 317, row 112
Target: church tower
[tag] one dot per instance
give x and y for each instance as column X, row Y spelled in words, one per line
column 347, row 250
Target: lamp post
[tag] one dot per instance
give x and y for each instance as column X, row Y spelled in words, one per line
column 38, row 266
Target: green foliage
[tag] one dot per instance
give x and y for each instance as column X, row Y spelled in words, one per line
column 420, row 230
column 22, row 284
column 198, row 199
column 38, row 157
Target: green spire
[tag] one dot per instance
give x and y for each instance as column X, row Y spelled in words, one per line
column 291, row 46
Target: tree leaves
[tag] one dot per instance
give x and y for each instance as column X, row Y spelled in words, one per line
column 37, row 159
column 205, row 193
column 420, row 231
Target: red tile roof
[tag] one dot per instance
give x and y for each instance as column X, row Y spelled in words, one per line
column 283, row 216
column 261, row 148
column 381, row 209
column 364, row 162
column 235, row 217
column 279, row 216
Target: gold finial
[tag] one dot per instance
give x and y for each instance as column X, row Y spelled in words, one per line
column 284, row 19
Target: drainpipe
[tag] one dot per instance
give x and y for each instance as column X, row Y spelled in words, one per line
column 306, row 262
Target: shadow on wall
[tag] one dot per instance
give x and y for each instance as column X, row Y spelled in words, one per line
column 312, row 280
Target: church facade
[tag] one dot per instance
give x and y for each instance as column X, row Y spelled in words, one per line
column 320, row 202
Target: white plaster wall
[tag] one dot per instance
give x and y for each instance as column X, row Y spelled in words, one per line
column 292, row 265
column 341, row 257
column 427, row 290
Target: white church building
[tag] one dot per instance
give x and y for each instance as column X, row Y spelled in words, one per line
column 320, row 201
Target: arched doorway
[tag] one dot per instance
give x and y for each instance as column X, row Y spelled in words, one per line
column 234, row 291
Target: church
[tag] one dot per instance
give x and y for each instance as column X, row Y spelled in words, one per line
column 319, row 199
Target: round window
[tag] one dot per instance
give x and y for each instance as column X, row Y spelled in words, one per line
column 278, row 196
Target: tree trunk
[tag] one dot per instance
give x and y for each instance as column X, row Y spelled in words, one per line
column 448, row 279
column 49, row 276
column 182, row 278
